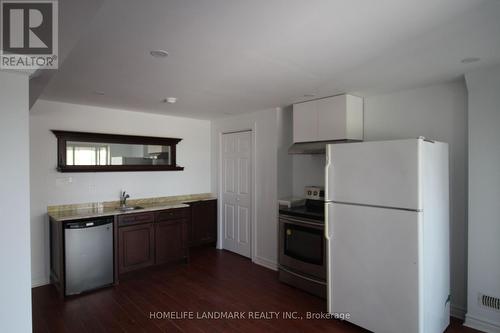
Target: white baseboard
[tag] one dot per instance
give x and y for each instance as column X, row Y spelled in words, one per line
column 39, row 282
column 458, row 311
column 481, row 324
column 265, row 263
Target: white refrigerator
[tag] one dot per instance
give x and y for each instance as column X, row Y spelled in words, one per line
column 387, row 232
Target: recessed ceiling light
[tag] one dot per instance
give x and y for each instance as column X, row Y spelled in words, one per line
column 469, row 60
column 170, row 100
column 159, row 53
column 99, row 92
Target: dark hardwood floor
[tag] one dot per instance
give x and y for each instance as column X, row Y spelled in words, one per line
column 212, row 281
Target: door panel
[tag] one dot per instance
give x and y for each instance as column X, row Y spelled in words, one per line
column 244, row 176
column 229, row 221
column 170, row 241
column 373, row 260
column 136, row 247
column 229, row 176
column 384, row 173
column 236, row 195
column 243, row 222
column 332, row 118
column 305, row 122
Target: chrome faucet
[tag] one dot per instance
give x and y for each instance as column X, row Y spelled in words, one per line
column 123, row 198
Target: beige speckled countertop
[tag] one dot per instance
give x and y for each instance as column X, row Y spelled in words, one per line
column 110, row 208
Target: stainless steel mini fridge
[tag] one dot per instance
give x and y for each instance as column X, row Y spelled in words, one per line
column 89, row 254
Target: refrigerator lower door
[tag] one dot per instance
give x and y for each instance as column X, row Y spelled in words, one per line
column 373, row 266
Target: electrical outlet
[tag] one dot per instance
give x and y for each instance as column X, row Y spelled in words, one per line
column 63, row 181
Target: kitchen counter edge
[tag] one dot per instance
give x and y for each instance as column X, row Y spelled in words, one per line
column 71, row 215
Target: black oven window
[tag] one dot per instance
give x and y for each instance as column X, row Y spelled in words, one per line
column 305, row 244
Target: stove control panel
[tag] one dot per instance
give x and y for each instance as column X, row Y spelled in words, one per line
column 314, row 192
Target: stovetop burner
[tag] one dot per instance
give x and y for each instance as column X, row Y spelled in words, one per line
column 313, row 209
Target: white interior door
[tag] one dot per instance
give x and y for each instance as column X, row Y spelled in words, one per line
column 237, row 192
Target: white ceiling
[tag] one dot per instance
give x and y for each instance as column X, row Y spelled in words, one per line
column 74, row 16
column 237, row 56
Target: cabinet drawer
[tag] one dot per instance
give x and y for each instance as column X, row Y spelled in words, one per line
column 172, row 214
column 130, row 219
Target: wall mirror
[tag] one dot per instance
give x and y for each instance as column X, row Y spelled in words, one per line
column 95, row 152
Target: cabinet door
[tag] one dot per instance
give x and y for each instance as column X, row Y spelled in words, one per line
column 135, row 247
column 332, row 118
column 171, row 241
column 305, row 122
column 204, row 222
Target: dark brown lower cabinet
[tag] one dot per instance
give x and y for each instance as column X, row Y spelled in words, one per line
column 203, row 223
column 170, row 241
column 146, row 239
column 135, row 247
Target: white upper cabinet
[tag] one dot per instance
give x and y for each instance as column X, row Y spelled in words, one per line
column 333, row 118
column 305, row 122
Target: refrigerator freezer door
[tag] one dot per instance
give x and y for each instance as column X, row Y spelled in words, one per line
column 383, row 173
column 373, row 261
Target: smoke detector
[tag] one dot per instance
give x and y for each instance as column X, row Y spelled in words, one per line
column 159, row 53
column 170, row 100
column 469, row 60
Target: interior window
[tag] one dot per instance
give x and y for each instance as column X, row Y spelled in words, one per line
column 100, row 152
column 87, row 154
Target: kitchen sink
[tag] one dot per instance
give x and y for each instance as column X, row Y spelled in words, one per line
column 129, row 208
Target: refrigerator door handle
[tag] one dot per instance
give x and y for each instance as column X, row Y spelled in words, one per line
column 327, row 169
column 328, row 257
column 327, row 222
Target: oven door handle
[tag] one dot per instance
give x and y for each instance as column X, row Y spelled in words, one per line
column 300, row 222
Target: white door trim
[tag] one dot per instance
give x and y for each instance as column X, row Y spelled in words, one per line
column 253, row 220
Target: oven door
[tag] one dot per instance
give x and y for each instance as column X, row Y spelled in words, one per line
column 302, row 246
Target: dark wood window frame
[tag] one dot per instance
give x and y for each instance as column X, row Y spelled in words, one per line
column 64, row 136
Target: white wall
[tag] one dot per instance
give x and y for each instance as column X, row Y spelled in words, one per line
column 265, row 214
column 308, row 170
column 484, row 196
column 49, row 187
column 435, row 111
column 15, row 287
